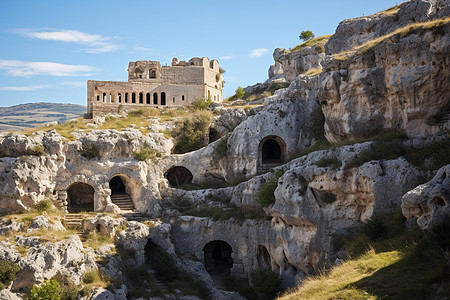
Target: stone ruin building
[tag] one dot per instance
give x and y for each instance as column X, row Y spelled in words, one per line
column 149, row 84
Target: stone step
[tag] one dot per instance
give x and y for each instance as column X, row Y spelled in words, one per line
column 72, row 221
column 123, row 201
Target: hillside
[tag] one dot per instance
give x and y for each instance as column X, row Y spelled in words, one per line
column 20, row 117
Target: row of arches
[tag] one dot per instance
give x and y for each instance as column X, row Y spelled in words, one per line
column 141, row 98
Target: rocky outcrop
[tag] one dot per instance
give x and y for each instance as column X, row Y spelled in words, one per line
column 354, row 32
column 428, row 204
column 399, row 83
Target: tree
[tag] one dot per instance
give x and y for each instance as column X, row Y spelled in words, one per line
column 240, row 92
column 306, row 35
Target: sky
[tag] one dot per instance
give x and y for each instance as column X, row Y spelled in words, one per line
column 50, row 48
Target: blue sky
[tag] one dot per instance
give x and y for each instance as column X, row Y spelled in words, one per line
column 49, row 49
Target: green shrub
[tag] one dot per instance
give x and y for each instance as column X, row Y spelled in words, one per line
column 381, row 149
column 48, row 290
column 276, row 86
column 239, row 93
column 221, row 148
column 266, row 282
column 91, row 276
column 90, row 151
column 165, row 266
column 306, row 35
column 144, row 154
column 320, row 49
column 201, row 103
column 191, row 131
column 45, row 205
column 328, row 162
column 240, row 286
column 437, row 152
column 37, row 150
column 8, row 271
column 265, row 195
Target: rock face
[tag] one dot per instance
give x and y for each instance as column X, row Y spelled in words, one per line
column 354, row 32
column 399, row 83
column 429, row 203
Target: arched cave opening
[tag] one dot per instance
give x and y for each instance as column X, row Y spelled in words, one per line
column 117, row 185
column 178, row 176
column 217, row 257
column 150, row 252
column 263, row 257
column 272, row 150
column 80, row 197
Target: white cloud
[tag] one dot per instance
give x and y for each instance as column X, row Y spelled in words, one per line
column 76, row 84
column 226, row 57
column 143, row 49
column 95, row 42
column 23, row 88
column 19, row 68
column 257, row 52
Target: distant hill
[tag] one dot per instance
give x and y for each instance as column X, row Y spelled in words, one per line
column 23, row 116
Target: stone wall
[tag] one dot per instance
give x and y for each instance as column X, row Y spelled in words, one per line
column 149, row 84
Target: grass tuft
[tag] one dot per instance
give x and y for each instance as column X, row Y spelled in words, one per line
column 265, row 195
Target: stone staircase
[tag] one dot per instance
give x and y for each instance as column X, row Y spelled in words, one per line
column 73, row 221
column 123, row 201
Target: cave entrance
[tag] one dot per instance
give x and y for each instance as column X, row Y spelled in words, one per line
column 80, row 197
column 272, row 151
column 213, row 135
column 150, row 252
column 119, row 194
column 263, row 257
column 117, row 186
column 178, row 176
column 217, row 256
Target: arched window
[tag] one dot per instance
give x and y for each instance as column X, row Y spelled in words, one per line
column 163, row 98
column 133, row 98
column 98, row 98
column 104, row 97
column 110, row 98
column 126, row 97
column 147, row 98
column 155, row 98
column 152, row 74
column 119, row 97
column 141, row 98
column 209, row 95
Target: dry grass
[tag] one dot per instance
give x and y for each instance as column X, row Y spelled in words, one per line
column 337, row 284
column 314, row 71
column 320, row 41
column 344, row 55
column 66, row 129
column 390, row 11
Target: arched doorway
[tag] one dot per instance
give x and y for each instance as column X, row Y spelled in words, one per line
column 119, row 194
column 178, row 176
column 263, row 257
column 272, row 150
column 163, row 98
column 217, row 257
column 80, row 197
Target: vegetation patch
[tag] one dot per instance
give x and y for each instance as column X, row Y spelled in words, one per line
column 332, row 162
column 313, row 72
column 190, row 132
column 8, row 271
column 432, row 156
column 266, row 283
column 398, row 33
column 379, row 256
column 90, row 151
column 145, row 154
column 45, row 205
column 49, row 290
column 221, row 148
column 318, row 41
column 265, row 195
column 390, row 11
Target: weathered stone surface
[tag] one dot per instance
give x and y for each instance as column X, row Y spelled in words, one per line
column 353, row 32
column 428, row 203
column 104, row 225
column 399, row 84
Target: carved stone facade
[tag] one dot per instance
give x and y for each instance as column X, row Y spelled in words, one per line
column 149, row 84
